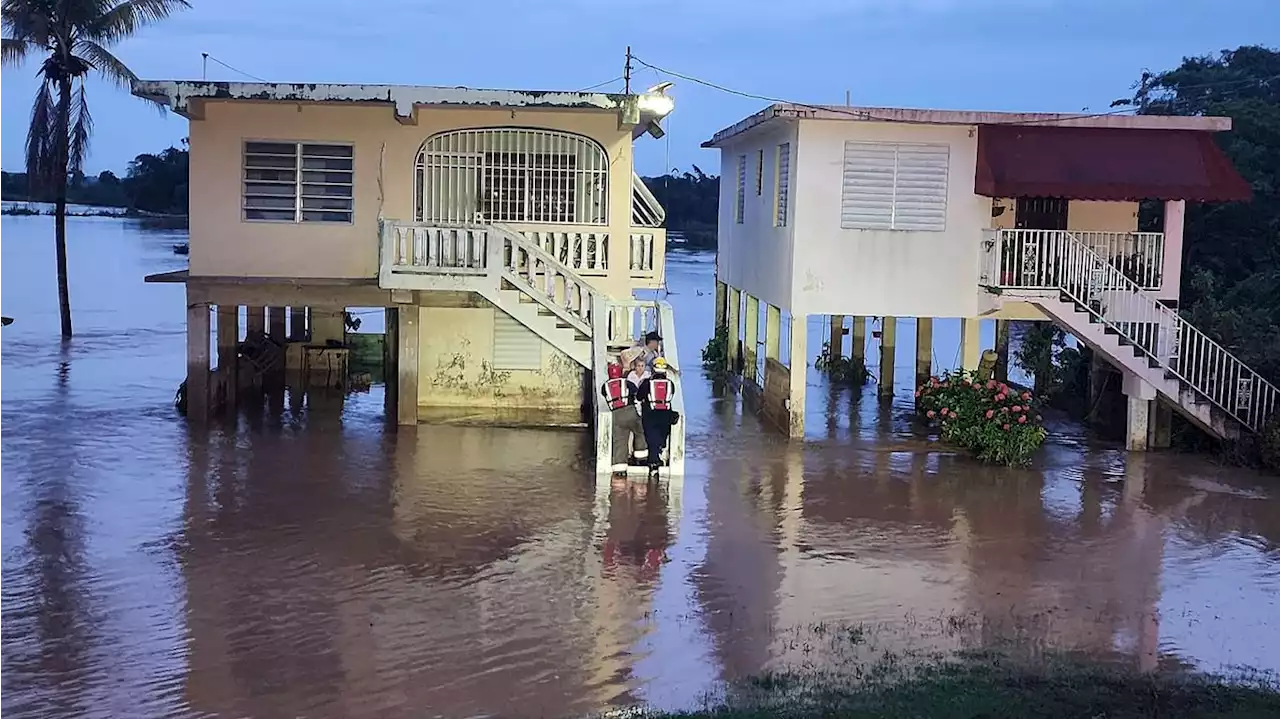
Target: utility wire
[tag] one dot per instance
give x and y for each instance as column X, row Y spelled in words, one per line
column 601, row 84
column 234, row 69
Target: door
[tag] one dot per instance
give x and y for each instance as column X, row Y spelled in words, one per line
column 1041, row 213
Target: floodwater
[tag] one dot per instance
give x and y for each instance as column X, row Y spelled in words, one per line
column 311, row 561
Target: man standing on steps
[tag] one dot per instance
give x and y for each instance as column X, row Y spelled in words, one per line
column 620, row 395
column 655, row 395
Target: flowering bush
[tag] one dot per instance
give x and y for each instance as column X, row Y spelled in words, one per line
column 993, row 420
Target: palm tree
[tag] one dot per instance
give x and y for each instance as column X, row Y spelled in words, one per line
column 74, row 35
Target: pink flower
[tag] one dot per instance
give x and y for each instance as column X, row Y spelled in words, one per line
column 991, row 413
column 1026, row 395
column 1022, row 419
column 991, row 384
column 917, row 393
column 1006, row 428
column 930, row 414
column 1016, row 408
column 1004, row 410
column 1000, row 398
column 945, row 410
column 1004, row 388
column 977, row 385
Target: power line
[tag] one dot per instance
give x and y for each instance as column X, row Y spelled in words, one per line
column 600, row 84
column 207, row 56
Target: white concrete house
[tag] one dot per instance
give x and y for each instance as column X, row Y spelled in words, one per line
column 946, row 214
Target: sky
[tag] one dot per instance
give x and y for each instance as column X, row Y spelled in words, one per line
column 1024, row 55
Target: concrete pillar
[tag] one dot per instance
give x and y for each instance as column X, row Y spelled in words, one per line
column 970, row 343
column 1160, row 432
column 328, row 323
column 407, row 364
column 276, row 321
column 722, row 301
column 1002, row 350
column 197, row 360
column 888, row 348
column 799, row 371
column 924, row 350
column 772, row 332
column 297, row 323
column 749, row 341
column 1139, row 395
column 1171, row 266
column 257, row 321
column 228, row 349
column 836, row 343
column 858, row 340
column 735, row 303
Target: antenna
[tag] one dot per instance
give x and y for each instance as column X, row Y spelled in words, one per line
column 204, row 66
column 848, row 100
column 626, row 72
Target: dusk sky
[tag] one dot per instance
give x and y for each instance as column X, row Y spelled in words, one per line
column 1042, row 55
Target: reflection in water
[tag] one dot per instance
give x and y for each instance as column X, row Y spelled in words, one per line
column 307, row 560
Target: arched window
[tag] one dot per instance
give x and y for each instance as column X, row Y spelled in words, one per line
column 512, row 175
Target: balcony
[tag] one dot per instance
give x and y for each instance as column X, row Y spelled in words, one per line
column 1026, row 255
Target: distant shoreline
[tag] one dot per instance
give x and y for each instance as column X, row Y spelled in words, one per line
column 24, row 208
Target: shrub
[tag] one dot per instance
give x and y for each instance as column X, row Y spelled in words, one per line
column 715, row 356
column 841, row 369
column 991, row 419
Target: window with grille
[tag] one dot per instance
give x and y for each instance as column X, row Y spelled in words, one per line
column 512, row 175
column 759, row 172
column 889, row 186
column 741, row 199
column 783, row 174
column 298, row 182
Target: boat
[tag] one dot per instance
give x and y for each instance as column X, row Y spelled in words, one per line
column 182, row 249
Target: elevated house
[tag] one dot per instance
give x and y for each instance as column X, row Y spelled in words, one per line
column 504, row 232
column 892, row 213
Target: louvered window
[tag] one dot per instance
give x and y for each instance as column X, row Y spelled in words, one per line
column 514, row 345
column 298, row 182
column 890, row 186
column 784, row 180
column 741, row 202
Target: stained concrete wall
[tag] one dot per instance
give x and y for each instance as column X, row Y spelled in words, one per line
column 457, row 378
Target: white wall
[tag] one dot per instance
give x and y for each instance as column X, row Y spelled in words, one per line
column 755, row 256
column 882, row 272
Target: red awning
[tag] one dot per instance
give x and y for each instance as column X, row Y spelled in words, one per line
column 1103, row 163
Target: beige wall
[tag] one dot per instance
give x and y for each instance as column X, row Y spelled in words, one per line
column 456, row 369
column 223, row 244
column 1102, row 216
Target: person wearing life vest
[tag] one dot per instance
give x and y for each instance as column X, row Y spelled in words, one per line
column 620, row 396
column 655, row 395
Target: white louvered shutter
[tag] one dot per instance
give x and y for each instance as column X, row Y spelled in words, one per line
column 866, row 194
column 920, row 189
column 514, row 345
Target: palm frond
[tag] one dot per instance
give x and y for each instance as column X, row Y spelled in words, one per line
column 106, row 63
column 128, row 16
column 81, row 129
column 27, row 20
column 14, row 51
column 42, row 146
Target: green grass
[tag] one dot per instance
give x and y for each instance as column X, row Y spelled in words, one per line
column 994, row 685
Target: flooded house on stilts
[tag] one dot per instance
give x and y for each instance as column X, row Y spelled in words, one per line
column 504, row 232
column 898, row 213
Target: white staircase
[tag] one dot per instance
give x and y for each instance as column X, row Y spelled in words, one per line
column 1100, row 306
column 537, row 290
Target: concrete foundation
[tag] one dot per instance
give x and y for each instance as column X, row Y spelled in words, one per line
column 1139, row 396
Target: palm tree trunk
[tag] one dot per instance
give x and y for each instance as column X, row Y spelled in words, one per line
column 60, row 202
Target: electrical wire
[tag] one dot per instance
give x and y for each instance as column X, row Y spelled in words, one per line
column 601, row 84
column 234, row 69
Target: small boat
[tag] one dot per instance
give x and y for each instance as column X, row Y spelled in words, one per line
column 6, row 321
column 183, row 249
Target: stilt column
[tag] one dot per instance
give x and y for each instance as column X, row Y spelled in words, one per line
column 257, row 321
column 772, row 332
column 749, row 341
column 1139, row 396
column 799, row 371
column 888, row 350
column 836, row 343
column 297, row 323
column 970, row 344
column 735, row 336
column 924, row 350
column 228, row 349
column 407, row 365
column 858, row 340
column 1002, row 350
column 1160, row 435
column 276, row 321
column 198, row 330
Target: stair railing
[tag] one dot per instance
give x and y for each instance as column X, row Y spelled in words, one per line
column 547, row 280
column 1058, row 261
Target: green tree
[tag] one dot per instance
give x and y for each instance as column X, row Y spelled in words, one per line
column 74, row 36
column 691, row 201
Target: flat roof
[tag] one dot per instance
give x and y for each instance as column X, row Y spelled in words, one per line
column 178, row 95
column 792, row 111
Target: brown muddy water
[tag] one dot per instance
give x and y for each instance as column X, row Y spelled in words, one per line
column 313, row 562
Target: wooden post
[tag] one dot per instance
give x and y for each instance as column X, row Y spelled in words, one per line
column 198, row 331
column 228, row 349
column 836, row 343
column 257, row 322
column 858, row 340
column 924, row 350
column 297, row 324
column 277, row 322
column 749, row 341
column 888, row 348
column 735, row 331
column 970, row 343
column 1002, row 350
column 407, row 365
column 772, row 332
column 798, row 370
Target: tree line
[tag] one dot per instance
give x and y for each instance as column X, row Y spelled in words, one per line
column 153, row 183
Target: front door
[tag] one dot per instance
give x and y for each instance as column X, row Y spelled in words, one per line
column 1041, row 213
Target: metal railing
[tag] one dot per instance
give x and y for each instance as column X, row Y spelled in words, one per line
column 1059, row 262
column 620, row 324
column 645, row 210
column 584, row 249
column 1137, row 255
column 547, row 280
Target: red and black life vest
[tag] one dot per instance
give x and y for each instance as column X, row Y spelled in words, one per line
column 661, row 391
column 616, row 394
